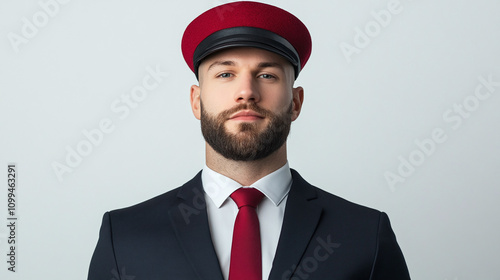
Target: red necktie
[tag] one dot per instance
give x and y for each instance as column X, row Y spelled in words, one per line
column 246, row 259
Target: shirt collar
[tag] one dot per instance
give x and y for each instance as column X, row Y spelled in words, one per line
column 275, row 186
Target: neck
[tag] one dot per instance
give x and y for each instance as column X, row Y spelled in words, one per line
column 245, row 172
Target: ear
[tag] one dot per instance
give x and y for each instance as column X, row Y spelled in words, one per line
column 298, row 100
column 195, row 101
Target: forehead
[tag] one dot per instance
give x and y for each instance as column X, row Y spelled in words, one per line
column 240, row 55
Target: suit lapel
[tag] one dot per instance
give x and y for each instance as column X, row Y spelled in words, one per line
column 299, row 224
column 190, row 221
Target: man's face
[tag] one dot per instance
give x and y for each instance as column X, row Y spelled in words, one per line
column 246, row 102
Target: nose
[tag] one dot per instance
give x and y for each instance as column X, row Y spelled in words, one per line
column 247, row 89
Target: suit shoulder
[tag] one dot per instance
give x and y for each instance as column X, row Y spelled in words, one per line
column 331, row 201
column 159, row 204
column 149, row 204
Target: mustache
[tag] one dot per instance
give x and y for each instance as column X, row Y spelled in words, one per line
column 245, row 106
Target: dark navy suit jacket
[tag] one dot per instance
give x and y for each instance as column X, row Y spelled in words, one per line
column 323, row 237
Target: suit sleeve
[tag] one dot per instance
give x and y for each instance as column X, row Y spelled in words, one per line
column 389, row 260
column 103, row 264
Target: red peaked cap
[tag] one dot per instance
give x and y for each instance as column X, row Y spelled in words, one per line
column 250, row 24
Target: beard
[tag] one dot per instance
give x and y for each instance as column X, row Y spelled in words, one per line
column 247, row 143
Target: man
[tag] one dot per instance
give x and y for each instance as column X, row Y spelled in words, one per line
column 247, row 215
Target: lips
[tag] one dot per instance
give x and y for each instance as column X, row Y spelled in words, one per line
column 246, row 115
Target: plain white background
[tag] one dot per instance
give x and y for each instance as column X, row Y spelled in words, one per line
column 363, row 114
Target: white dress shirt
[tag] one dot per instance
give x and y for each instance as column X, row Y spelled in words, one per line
column 222, row 211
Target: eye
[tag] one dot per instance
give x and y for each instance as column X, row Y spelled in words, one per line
column 267, row 76
column 224, row 75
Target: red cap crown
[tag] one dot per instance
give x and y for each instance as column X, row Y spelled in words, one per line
column 246, row 23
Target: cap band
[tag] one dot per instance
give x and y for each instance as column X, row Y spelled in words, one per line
column 244, row 36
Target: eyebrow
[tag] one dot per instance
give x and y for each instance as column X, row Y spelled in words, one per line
column 219, row 62
column 271, row 64
column 232, row 63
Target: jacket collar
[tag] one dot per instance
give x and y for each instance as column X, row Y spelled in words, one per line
column 190, row 221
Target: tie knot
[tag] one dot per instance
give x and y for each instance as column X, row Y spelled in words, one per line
column 247, row 197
